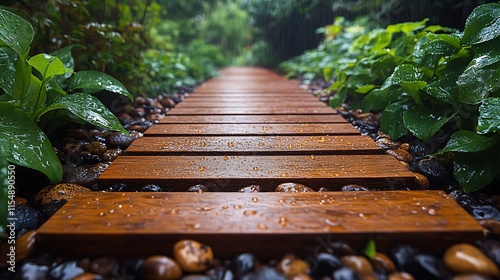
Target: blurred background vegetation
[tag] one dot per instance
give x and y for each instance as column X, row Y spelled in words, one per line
column 157, row 46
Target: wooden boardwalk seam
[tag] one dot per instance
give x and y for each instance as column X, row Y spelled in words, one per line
column 252, row 126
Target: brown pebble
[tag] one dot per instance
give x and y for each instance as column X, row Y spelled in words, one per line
column 292, row 188
column 87, row 276
column 471, row 276
column 401, row 155
column 465, row 258
column 167, row 102
column 198, row 189
column 104, row 266
column 25, row 245
column 422, row 181
column 290, row 266
column 302, row 277
column 492, row 226
column 360, row 265
column 405, row 146
column 192, row 255
column 96, row 148
column 138, row 127
column 250, row 189
column 59, row 192
column 386, row 143
column 383, row 263
column 323, row 189
column 111, row 154
column 20, row 201
column 400, row 276
column 160, row 268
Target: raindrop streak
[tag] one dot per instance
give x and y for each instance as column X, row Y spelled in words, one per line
column 237, row 206
column 225, row 207
column 249, row 212
column 204, row 209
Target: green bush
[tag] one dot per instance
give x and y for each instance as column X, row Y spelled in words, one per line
column 423, row 79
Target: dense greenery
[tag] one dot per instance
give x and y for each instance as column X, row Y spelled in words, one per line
column 426, row 79
column 41, row 92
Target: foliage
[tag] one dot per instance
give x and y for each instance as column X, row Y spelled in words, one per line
column 426, row 80
column 35, row 94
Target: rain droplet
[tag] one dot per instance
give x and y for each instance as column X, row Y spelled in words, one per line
column 312, row 156
column 69, row 217
column 254, row 199
column 230, row 144
column 225, row 207
column 237, row 206
column 283, row 221
column 261, row 144
column 226, row 158
column 204, row 209
column 255, row 169
column 432, row 212
column 249, row 212
column 332, row 223
column 102, row 214
column 111, row 211
column 261, row 226
column 201, row 168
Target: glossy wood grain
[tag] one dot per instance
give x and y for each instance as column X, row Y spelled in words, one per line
column 254, row 119
column 251, row 111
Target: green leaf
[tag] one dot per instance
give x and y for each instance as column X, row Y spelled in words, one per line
column 474, row 171
column 424, row 123
column 370, row 249
column 379, row 99
column 3, row 193
column 65, row 56
column 90, row 81
column 466, row 141
column 477, row 82
column 22, row 80
column 48, row 66
column 443, row 44
column 482, row 25
column 391, row 121
column 15, row 32
column 89, row 109
column 26, row 145
column 338, row 98
column 404, row 74
column 406, row 27
column 444, row 89
column 365, row 88
column 8, row 60
column 489, row 116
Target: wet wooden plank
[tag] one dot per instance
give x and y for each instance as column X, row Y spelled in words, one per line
column 267, row 225
column 251, row 111
column 248, row 129
column 277, row 103
column 255, row 119
column 254, row 145
column 232, row 172
column 217, row 97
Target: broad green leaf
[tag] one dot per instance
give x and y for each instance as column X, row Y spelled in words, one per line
column 424, row 123
column 15, row 32
column 8, row 60
column 443, row 44
column 3, row 193
column 487, row 53
column 444, row 89
column 391, row 121
column 379, row 99
column 90, row 81
column 48, row 66
column 338, row 98
column 403, row 74
column 406, row 27
column 26, row 145
column 365, row 88
column 474, row 171
column 489, row 116
column 476, row 83
column 65, row 56
column 482, row 25
column 370, row 249
column 89, row 109
column 22, row 80
column 466, row 141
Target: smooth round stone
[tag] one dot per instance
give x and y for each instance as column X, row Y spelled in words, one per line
column 111, row 154
column 405, row 146
column 118, row 139
column 403, row 256
column 250, row 189
column 96, row 148
column 422, row 181
column 302, row 277
column 344, row 273
column 195, row 277
column 25, row 245
column 324, row 265
column 400, row 276
column 386, row 144
column 20, row 201
column 401, row 155
column 59, row 192
column 492, row 226
column 292, row 188
column 67, row 270
column 465, row 258
column 87, row 276
column 192, row 255
column 471, row 276
column 242, row 264
column 104, row 266
column 383, row 263
column 34, row 271
column 429, row 267
column 484, row 212
column 491, row 248
column 160, row 268
column 353, row 188
column 434, row 170
column 27, row 218
column 323, row 189
column 198, row 189
column 264, row 273
column 360, row 265
column 290, row 266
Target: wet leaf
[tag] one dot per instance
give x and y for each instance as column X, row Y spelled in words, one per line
column 89, row 109
column 48, row 66
column 391, row 121
column 379, row 99
column 477, row 82
column 3, row 193
column 424, row 123
column 90, row 81
column 466, row 141
column 482, row 25
column 474, row 171
column 489, row 116
column 16, row 32
column 25, row 144
column 7, row 69
column 407, row 76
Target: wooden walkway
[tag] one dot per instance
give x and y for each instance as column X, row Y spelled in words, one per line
column 251, row 126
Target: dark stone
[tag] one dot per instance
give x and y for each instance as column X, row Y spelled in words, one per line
column 118, row 139
column 106, row 266
column 120, row 187
column 429, row 267
column 198, row 188
column 403, row 256
column 152, row 188
column 220, row 273
column 340, row 248
column 344, row 274
column 27, row 219
column 65, row 270
column 324, row 265
column 33, row 271
column 51, row 208
column 242, row 264
column 96, row 148
column 435, row 171
column 264, row 273
column 83, row 175
column 130, row 267
column 462, row 198
column 89, row 158
column 353, row 188
column 490, row 248
column 484, row 212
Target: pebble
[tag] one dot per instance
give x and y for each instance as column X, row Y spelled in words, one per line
column 386, row 144
column 57, row 193
column 382, row 262
column 66, row 270
column 96, row 148
column 323, row 189
column 195, row 277
column 192, row 255
column 198, row 189
column 400, row 276
column 422, row 181
column 83, row 175
column 160, row 268
column 27, row 218
column 471, row 276
column 290, row 266
column 34, row 271
column 302, row 277
column 167, row 102
column 484, row 212
column 429, row 267
column 465, row 258
column 242, row 264
column 111, row 154
column 152, row 188
column 324, row 265
column 491, row 248
column 120, row 140
column 434, row 170
column 106, row 266
column 292, row 188
column 264, row 272
column 344, row 273
column 403, row 256
column 250, row 189
column 25, row 245
column 87, row 276
column 353, row 188
column 20, row 201
column 401, row 155
column 360, row 265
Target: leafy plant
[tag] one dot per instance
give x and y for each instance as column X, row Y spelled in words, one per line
column 425, row 80
column 36, row 95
